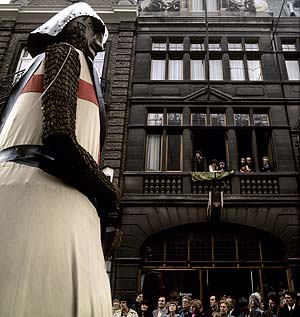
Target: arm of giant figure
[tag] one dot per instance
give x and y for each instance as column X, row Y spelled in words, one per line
column 73, row 163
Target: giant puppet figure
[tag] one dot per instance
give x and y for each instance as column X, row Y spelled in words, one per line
column 51, row 188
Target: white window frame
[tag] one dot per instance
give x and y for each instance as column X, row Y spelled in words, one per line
column 25, row 60
column 293, row 69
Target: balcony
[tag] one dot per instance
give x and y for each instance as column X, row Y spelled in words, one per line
column 181, row 184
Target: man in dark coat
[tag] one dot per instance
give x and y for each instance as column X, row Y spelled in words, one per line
column 291, row 309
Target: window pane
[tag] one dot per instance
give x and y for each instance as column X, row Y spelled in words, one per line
column 261, row 119
column 234, row 46
column 199, row 119
column 176, row 46
column 99, row 62
column 158, row 69
column 289, row 47
column 24, row 61
column 293, row 71
column 211, row 5
column 153, row 151
column 197, row 47
column 254, row 70
column 237, row 71
column 241, row 119
column 215, row 69
column 214, row 46
column 159, row 46
column 251, row 46
column 197, row 69
column 224, row 249
column 155, row 119
column 174, row 153
column 197, row 5
column 217, row 119
column 175, row 69
column 174, row 118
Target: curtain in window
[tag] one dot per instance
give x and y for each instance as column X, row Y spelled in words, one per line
column 24, row 61
column 99, row 62
column 197, row 5
column 158, row 68
column 211, row 5
column 293, row 70
column 215, row 69
column 197, row 69
column 237, row 71
column 254, row 70
column 153, row 152
column 175, row 69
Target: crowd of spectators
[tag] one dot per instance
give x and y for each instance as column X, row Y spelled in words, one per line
column 246, row 164
column 225, row 306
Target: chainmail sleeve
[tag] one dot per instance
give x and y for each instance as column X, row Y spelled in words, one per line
column 73, row 164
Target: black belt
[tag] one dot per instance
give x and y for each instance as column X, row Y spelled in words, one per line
column 33, row 155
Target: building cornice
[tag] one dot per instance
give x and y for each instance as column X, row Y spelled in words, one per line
column 35, row 14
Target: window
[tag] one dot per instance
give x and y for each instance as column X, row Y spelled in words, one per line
column 251, row 46
column 24, row 61
column 155, row 119
column 175, row 69
column 293, row 70
column 289, row 47
column 237, row 71
column 254, row 70
column 216, row 69
column 176, row 46
column 241, row 119
column 197, row 69
column 174, row 118
column 157, row 46
column 197, row 5
column 214, row 46
column 260, row 119
column 217, row 119
column 99, row 62
column 163, row 146
column 158, row 69
column 197, row 47
column 153, row 153
column 198, row 119
column 234, row 46
column 174, row 152
column 211, row 5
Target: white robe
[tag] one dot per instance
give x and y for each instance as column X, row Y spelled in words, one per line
column 51, row 259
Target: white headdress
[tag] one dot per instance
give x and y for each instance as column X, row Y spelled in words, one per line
column 38, row 38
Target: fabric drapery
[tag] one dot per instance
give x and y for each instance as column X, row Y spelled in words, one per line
column 237, row 71
column 153, row 152
column 158, row 68
column 197, row 69
column 175, row 69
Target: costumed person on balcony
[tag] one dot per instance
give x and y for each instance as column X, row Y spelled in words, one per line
column 52, row 190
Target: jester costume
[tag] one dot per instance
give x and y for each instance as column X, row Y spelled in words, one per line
column 51, row 188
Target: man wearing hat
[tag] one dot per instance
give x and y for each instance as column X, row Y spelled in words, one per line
column 52, row 190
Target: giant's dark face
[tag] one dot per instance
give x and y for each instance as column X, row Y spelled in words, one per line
column 84, row 34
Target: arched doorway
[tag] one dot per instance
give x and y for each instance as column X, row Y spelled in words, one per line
column 201, row 259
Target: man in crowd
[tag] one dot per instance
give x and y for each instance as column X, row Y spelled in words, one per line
column 161, row 307
column 274, row 306
column 214, row 306
column 125, row 311
column 186, row 304
column 291, row 309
